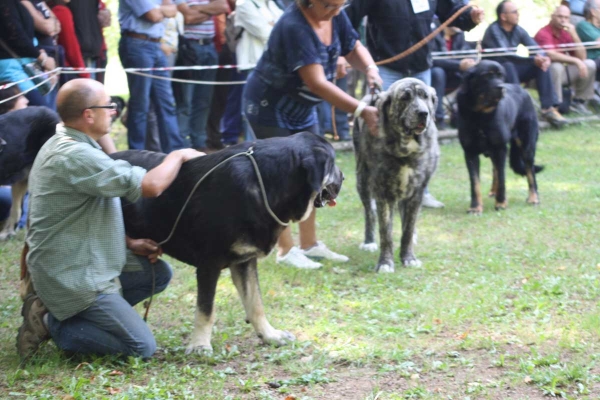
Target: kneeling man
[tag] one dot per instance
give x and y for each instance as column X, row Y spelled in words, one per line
column 85, row 278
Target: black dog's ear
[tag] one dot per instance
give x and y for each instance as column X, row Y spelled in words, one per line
column 316, row 162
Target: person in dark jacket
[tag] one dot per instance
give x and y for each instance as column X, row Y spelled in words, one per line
column 447, row 73
column 394, row 26
column 505, row 32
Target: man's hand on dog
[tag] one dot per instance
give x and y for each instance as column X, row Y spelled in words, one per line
column 189, row 154
column 144, row 247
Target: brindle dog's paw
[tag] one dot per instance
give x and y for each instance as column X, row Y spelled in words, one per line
column 370, row 247
column 201, row 350
column 385, row 269
column 412, row 262
column 278, row 338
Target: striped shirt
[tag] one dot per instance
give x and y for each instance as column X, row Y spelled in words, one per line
column 77, row 237
column 204, row 30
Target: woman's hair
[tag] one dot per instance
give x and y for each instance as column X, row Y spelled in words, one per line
column 587, row 9
column 302, row 3
column 7, row 93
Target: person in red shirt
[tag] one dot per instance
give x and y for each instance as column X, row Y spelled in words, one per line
column 67, row 38
column 567, row 66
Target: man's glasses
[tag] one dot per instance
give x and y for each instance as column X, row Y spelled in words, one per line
column 328, row 6
column 511, row 12
column 111, row 106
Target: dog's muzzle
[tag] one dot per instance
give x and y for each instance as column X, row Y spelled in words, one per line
column 330, row 191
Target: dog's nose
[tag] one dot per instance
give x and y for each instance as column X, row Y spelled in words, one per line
column 423, row 115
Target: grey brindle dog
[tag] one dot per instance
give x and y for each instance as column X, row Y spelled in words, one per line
column 394, row 168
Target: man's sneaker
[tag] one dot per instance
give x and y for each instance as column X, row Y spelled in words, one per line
column 33, row 332
column 431, row 202
column 554, row 118
column 320, row 252
column 296, row 258
column 579, row 107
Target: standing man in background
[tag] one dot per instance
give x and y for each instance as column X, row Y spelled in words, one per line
column 139, row 47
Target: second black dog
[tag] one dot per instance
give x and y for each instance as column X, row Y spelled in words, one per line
column 491, row 114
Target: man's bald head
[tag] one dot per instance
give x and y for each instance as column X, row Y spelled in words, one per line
column 560, row 17
column 75, row 95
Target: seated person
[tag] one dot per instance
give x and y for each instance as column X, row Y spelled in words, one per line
column 447, row 73
column 568, row 67
column 505, row 32
column 589, row 31
column 86, row 281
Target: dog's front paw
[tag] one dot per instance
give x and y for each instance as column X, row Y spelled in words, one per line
column 533, row 199
column 412, row 262
column 385, row 269
column 370, row 247
column 475, row 210
column 277, row 337
column 199, row 349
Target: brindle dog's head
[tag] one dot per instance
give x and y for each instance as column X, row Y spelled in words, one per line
column 485, row 85
column 406, row 116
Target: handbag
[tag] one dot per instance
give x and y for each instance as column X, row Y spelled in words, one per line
column 32, row 69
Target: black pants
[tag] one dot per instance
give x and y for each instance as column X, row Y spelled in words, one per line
column 518, row 73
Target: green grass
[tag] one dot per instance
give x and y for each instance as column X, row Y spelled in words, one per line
column 506, row 305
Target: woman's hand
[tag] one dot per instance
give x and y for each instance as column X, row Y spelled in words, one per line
column 371, row 117
column 341, row 70
column 374, row 80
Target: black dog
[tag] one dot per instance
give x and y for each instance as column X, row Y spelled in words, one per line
column 394, row 168
column 22, row 134
column 226, row 223
column 492, row 113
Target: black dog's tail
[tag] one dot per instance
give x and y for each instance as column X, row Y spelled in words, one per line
column 516, row 160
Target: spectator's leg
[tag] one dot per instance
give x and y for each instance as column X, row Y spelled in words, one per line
column 164, row 106
column 511, row 74
column 341, row 117
column 219, row 100
column 548, row 97
column 152, row 136
column 232, row 118
column 109, row 326
column 389, row 76
column 584, row 87
column 438, row 82
column 136, row 53
column 202, row 94
column 558, row 77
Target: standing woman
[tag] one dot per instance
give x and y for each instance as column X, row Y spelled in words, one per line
column 294, row 74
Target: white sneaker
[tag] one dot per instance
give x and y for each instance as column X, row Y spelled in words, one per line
column 320, row 251
column 296, row 258
column 431, row 202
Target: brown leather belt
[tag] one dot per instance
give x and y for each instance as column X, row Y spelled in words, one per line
column 140, row 36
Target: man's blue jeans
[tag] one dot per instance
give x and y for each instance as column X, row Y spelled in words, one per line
column 193, row 109
column 390, row 76
column 110, row 325
column 138, row 53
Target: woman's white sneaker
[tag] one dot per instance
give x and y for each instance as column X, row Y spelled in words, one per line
column 321, row 252
column 296, row 258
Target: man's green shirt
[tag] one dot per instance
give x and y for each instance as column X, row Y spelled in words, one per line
column 76, row 236
column 588, row 32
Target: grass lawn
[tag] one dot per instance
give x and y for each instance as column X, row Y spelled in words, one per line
column 506, row 306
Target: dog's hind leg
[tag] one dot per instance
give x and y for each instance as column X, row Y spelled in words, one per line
column 362, row 186
column 18, row 191
column 494, row 188
column 385, row 214
column 409, row 210
column 245, row 279
column 207, row 277
column 472, row 160
column 498, row 157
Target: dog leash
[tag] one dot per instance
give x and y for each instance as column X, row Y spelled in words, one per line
column 248, row 153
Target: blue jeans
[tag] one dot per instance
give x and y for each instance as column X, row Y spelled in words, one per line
column 341, row 117
column 231, row 124
column 193, row 109
column 138, row 53
column 390, row 76
column 110, row 325
column 440, row 81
